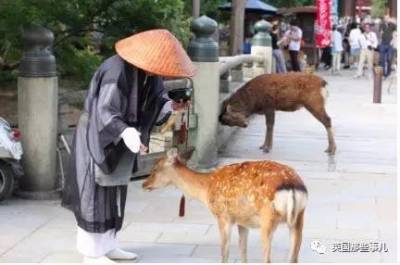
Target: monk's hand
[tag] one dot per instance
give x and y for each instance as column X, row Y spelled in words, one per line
column 132, row 139
column 182, row 105
column 143, row 149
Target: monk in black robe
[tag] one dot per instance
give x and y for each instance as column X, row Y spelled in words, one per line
column 126, row 98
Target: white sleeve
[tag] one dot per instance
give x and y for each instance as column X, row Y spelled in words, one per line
column 287, row 33
column 374, row 40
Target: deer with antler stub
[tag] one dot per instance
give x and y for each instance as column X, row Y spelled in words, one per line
column 258, row 194
column 268, row 93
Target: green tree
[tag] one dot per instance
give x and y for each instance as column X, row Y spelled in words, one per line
column 85, row 30
column 207, row 7
column 378, row 8
column 290, row 3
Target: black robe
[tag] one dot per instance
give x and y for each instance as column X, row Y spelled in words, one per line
column 117, row 98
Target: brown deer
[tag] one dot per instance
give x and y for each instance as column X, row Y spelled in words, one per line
column 251, row 195
column 268, row 93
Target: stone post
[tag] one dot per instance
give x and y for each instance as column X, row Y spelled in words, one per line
column 378, row 73
column 224, row 83
column 203, row 51
column 37, row 114
column 248, row 70
column 262, row 46
column 237, row 73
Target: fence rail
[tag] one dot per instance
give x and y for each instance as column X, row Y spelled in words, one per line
column 227, row 63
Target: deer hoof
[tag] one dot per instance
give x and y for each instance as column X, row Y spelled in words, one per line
column 331, row 150
column 265, row 150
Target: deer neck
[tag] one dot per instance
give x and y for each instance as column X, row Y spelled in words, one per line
column 240, row 100
column 193, row 184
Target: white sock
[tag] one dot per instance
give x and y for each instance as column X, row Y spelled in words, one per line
column 118, row 253
column 98, row 260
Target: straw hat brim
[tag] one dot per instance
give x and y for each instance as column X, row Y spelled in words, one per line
column 158, row 52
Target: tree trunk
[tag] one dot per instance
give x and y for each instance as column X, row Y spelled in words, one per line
column 237, row 26
column 393, row 8
column 349, row 8
column 195, row 8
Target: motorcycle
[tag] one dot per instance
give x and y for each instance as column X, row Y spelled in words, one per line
column 10, row 156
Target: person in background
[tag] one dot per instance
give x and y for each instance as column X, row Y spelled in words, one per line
column 354, row 41
column 368, row 43
column 247, row 46
column 293, row 37
column 337, row 49
column 276, row 50
column 394, row 45
column 346, row 53
column 326, row 57
column 346, row 44
column 386, row 48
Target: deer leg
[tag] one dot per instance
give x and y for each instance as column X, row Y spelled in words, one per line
column 225, row 234
column 318, row 111
column 243, row 234
column 269, row 122
column 268, row 226
column 296, row 234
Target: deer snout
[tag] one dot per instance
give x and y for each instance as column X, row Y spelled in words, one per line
column 147, row 185
column 221, row 120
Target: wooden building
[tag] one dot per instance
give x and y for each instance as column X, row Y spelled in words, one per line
column 351, row 8
column 305, row 15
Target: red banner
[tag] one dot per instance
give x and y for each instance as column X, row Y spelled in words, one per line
column 323, row 23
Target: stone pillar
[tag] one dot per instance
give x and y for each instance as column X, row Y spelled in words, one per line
column 224, row 83
column 237, row 73
column 262, row 46
column 378, row 73
column 203, row 51
column 37, row 114
column 248, row 70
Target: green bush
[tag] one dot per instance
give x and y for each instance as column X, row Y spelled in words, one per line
column 74, row 22
column 78, row 63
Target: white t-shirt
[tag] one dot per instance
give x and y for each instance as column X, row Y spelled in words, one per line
column 354, row 38
column 368, row 39
column 296, row 33
column 337, row 45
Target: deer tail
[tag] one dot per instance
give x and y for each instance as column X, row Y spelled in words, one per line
column 324, row 89
column 290, row 202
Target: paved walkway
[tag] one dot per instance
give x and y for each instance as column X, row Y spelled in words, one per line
column 352, row 197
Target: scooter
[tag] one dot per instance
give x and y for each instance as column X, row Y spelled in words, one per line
column 10, row 156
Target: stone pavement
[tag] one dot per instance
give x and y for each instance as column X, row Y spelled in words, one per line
column 352, row 196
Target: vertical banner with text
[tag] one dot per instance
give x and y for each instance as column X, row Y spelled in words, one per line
column 335, row 12
column 323, row 23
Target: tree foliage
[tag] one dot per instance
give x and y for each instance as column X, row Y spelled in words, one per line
column 290, row 3
column 378, row 8
column 207, row 7
column 85, row 30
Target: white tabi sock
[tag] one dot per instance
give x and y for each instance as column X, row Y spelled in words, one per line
column 121, row 254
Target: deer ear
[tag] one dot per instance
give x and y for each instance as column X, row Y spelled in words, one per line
column 223, row 107
column 172, row 154
column 185, row 156
column 228, row 108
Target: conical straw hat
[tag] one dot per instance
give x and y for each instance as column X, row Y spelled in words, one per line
column 158, row 52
